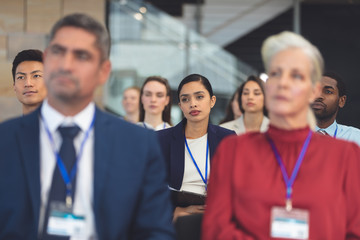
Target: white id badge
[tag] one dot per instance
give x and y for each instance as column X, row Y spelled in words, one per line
column 292, row 224
column 62, row 222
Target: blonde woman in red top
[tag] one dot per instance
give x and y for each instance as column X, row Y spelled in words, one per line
column 289, row 182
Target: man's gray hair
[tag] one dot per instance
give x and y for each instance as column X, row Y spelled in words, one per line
column 89, row 24
column 285, row 40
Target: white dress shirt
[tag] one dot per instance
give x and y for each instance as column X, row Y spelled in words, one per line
column 83, row 204
column 192, row 181
column 347, row 133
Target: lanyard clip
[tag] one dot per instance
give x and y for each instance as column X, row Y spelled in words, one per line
column 68, row 201
column 288, row 205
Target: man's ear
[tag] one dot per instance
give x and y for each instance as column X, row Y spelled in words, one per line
column 342, row 101
column 105, row 70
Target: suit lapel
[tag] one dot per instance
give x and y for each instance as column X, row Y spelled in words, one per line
column 213, row 140
column 102, row 150
column 177, row 156
column 29, row 143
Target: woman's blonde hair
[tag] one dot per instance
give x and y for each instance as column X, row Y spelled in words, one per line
column 285, row 40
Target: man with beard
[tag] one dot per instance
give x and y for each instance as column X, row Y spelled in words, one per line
column 327, row 105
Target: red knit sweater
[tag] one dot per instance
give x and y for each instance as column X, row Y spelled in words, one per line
column 246, row 182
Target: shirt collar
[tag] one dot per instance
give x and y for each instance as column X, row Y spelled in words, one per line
column 330, row 129
column 54, row 119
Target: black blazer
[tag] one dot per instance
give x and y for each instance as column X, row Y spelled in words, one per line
column 172, row 144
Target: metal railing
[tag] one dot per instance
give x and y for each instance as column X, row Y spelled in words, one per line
column 147, row 41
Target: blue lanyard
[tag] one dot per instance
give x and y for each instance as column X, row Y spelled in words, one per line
column 335, row 131
column 163, row 126
column 64, row 173
column 289, row 182
column 204, row 179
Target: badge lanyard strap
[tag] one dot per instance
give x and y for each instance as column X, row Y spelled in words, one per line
column 335, row 131
column 68, row 179
column 146, row 126
column 204, row 179
column 289, row 182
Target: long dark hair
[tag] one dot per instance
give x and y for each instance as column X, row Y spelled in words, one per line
column 229, row 113
column 166, row 114
column 241, row 89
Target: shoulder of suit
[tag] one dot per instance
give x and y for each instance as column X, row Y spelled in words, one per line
column 17, row 121
column 174, row 131
column 118, row 124
column 228, row 124
column 219, row 130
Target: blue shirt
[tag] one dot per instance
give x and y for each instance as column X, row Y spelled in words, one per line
column 348, row 133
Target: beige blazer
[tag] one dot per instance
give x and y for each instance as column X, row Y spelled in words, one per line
column 239, row 127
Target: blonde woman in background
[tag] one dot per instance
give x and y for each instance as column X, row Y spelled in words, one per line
column 286, row 183
column 130, row 102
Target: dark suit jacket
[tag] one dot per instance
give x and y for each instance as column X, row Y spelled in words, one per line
column 173, row 145
column 131, row 199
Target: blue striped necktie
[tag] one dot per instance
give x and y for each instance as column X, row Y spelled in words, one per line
column 58, row 189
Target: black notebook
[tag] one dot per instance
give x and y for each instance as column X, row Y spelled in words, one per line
column 185, row 199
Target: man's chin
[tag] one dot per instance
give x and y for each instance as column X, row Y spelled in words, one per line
column 322, row 117
column 319, row 113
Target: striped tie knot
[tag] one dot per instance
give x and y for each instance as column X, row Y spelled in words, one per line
column 322, row 131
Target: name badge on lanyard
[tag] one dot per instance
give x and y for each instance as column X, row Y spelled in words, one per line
column 288, row 222
column 293, row 224
column 63, row 222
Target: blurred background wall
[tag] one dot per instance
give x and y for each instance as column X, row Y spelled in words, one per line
column 25, row 24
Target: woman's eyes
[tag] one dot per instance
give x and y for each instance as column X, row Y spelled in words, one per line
column 255, row 93
column 297, row 76
column 274, row 74
column 187, row 99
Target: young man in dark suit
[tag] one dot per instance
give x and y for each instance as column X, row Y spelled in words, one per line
column 69, row 170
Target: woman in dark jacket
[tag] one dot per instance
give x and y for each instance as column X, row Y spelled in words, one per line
column 189, row 146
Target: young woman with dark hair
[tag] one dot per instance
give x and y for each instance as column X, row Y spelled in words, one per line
column 252, row 105
column 189, row 146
